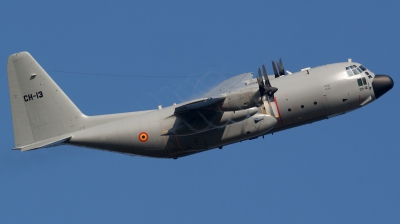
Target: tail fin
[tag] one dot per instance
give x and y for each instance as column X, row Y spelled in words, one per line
column 42, row 113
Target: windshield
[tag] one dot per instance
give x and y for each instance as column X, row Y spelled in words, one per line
column 354, row 70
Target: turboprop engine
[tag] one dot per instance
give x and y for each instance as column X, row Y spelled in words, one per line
column 241, row 99
column 253, row 97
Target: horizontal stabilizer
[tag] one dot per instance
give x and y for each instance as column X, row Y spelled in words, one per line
column 45, row 143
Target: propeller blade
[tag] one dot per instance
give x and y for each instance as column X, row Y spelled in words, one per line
column 260, row 82
column 280, row 67
column 267, row 83
column 275, row 71
column 259, row 78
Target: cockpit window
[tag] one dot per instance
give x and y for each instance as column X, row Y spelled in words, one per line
column 354, row 70
column 359, row 82
column 362, row 68
column 362, row 82
column 349, row 72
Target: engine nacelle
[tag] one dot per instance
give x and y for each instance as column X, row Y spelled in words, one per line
column 241, row 100
column 257, row 125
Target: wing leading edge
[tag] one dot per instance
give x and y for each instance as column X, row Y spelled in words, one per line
column 231, row 84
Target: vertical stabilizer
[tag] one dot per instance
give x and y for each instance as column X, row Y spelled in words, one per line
column 40, row 109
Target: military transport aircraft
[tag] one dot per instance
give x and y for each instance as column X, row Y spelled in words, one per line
column 240, row 108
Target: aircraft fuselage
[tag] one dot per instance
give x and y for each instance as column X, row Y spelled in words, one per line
column 303, row 97
column 240, row 108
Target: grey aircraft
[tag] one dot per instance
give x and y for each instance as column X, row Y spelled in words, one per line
column 240, row 108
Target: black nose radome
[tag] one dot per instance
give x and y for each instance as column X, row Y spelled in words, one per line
column 382, row 84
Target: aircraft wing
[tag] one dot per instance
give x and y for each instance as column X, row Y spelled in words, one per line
column 198, row 104
column 231, row 84
column 213, row 98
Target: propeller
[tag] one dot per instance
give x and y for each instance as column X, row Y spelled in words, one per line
column 265, row 86
column 280, row 71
